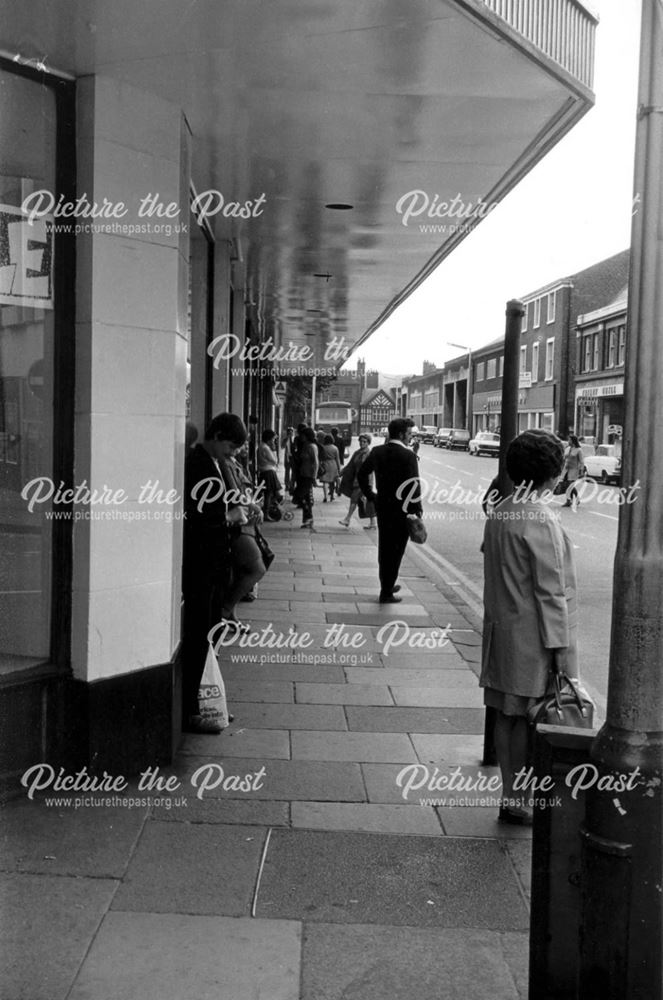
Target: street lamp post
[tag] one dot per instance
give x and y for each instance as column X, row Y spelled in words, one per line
column 621, row 932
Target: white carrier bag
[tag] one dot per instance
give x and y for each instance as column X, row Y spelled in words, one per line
column 212, row 703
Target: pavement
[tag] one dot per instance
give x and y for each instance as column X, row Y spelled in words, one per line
column 292, row 857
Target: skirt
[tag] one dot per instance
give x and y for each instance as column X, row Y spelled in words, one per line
column 508, row 704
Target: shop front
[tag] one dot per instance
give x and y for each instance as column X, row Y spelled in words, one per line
column 599, row 408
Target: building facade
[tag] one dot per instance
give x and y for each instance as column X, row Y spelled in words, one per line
column 599, row 382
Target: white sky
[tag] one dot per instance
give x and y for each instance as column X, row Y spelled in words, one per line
column 571, row 211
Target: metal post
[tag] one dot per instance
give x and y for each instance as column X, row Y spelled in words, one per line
column 508, row 427
column 622, row 880
column 313, row 386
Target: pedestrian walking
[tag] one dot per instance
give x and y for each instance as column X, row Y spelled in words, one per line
column 340, row 444
column 307, row 472
column 397, row 479
column 330, row 468
column 349, row 486
column 286, row 448
column 267, row 475
column 574, row 468
column 530, row 615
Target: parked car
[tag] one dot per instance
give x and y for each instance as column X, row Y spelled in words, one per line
column 427, row 434
column 485, row 443
column 459, row 438
column 442, row 437
column 605, row 464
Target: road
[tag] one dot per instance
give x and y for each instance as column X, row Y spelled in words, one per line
column 455, row 529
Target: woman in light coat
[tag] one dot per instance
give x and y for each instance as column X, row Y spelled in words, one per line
column 530, row 613
column 573, row 469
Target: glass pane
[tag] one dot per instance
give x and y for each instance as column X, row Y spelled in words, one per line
column 27, row 165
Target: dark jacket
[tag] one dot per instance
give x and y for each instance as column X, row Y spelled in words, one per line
column 393, row 466
column 308, row 462
column 206, row 536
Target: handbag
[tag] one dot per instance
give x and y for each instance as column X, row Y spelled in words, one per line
column 365, row 508
column 563, row 704
column 416, row 529
column 265, row 551
column 561, row 487
column 212, row 702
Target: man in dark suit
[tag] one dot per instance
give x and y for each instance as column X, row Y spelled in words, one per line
column 397, row 480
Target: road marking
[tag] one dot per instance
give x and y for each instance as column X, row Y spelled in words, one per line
column 429, row 556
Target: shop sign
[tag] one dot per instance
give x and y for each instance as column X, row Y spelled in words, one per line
column 525, row 380
column 26, row 259
column 593, row 391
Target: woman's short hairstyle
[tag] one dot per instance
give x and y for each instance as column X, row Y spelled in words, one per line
column 327, row 439
column 574, row 441
column 535, row 456
column 366, row 435
column 268, row 434
column 226, row 427
column 309, row 435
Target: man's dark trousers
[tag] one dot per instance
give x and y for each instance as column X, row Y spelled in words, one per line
column 392, row 540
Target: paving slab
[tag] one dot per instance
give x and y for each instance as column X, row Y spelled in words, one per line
column 236, row 741
column 464, row 696
column 405, row 783
column 356, row 878
column 256, row 716
column 399, row 676
column 364, row 962
column 368, row 817
column 91, row 840
column 192, row 868
column 274, row 692
column 382, row 747
column 297, row 669
column 459, row 748
column 376, row 617
column 47, row 925
column 343, row 694
column 172, row 957
column 520, row 851
column 480, row 821
column 415, row 720
column 283, row 780
column 215, row 810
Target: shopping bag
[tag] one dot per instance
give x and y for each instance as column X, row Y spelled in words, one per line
column 564, row 704
column 416, row 529
column 212, row 703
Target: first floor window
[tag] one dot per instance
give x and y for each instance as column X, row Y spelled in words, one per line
column 550, row 358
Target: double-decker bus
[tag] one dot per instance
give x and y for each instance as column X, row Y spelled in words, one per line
column 335, row 414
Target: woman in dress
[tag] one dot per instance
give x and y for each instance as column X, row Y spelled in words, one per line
column 530, row 614
column 573, row 470
column 330, row 467
column 350, row 484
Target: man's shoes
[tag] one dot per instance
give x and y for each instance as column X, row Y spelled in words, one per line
column 346, row 524
column 205, row 727
column 396, row 588
column 390, row 599
column 515, row 816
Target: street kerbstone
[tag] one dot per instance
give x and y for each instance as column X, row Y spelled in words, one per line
column 89, row 840
column 415, row 720
column 172, row 957
column 283, row 781
column 257, row 716
column 356, row 878
column 192, row 868
column 401, row 963
column 47, row 925
column 367, row 817
column 343, row 694
column 236, row 741
column 380, row 747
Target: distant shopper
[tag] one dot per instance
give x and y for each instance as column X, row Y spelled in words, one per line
column 397, row 479
column 573, row 470
column 340, row 444
column 307, row 472
column 330, row 468
column 349, row 482
column 286, row 450
column 267, row 475
column 530, row 614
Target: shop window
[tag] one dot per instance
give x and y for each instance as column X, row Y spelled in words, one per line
column 491, row 368
column 612, row 348
column 481, row 371
column 500, row 366
column 36, row 298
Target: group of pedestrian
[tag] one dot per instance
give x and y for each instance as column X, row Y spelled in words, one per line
column 310, row 457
